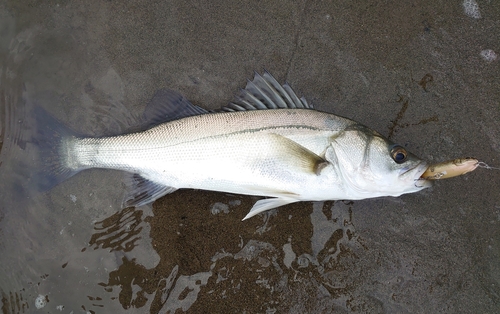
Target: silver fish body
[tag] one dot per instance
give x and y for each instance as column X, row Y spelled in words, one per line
column 269, row 143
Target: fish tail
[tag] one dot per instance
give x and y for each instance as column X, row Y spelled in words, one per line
column 53, row 141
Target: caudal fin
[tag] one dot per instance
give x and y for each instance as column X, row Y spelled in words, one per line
column 51, row 139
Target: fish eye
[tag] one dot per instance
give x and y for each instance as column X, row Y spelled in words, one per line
column 399, row 154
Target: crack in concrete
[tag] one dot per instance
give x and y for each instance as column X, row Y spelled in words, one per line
column 296, row 40
column 399, row 116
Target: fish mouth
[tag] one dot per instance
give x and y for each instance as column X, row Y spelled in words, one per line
column 416, row 172
column 419, row 169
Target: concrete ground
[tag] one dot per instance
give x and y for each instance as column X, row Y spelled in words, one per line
column 424, row 73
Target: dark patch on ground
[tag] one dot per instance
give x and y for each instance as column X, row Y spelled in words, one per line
column 426, row 79
column 191, row 240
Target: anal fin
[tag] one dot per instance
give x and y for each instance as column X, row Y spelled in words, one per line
column 141, row 191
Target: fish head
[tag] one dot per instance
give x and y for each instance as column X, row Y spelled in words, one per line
column 372, row 166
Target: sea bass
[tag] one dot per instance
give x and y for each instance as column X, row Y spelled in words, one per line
column 268, row 142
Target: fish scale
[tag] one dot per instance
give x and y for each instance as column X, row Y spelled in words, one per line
column 101, row 152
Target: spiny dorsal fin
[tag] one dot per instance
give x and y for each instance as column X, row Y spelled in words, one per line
column 264, row 92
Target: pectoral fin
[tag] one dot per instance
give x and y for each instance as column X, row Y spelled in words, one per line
column 267, row 204
column 296, row 157
column 288, row 157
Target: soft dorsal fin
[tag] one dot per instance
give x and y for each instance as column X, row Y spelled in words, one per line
column 167, row 105
column 264, row 92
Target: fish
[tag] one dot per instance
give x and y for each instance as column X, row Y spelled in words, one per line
column 267, row 142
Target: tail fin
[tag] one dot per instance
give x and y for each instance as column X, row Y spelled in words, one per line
column 51, row 138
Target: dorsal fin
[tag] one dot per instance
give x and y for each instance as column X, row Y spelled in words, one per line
column 168, row 105
column 264, row 92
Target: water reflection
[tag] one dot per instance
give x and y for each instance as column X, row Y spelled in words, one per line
column 209, row 258
column 13, row 302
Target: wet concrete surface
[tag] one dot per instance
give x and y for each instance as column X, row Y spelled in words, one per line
column 423, row 73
